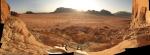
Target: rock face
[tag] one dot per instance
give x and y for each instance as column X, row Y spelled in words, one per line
column 141, row 21
column 16, row 39
column 140, row 14
column 4, row 11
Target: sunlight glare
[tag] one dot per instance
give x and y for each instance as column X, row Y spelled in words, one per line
column 81, row 4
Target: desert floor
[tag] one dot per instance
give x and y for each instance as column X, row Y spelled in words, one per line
column 90, row 32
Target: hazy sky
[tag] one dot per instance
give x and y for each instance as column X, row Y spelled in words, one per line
column 51, row 5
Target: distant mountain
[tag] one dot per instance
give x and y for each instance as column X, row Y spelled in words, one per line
column 123, row 14
column 66, row 10
column 105, row 12
column 102, row 12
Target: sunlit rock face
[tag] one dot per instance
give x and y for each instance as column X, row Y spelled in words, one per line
column 148, row 13
column 4, row 11
column 16, row 39
column 140, row 14
column 148, row 17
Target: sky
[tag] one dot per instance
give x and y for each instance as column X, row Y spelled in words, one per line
column 81, row 5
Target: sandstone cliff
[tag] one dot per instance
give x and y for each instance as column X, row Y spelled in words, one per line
column 16, row 39
column 4, row 11
column 140, row 14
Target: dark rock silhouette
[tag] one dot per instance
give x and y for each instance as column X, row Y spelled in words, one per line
column 102, row 12
column 13, row 13
column 64, row 10
column 29, row 12
column 134, row 51
column 64, row 54
column 93, row 12
column 105, row 12
column 1, row 32
column 123, row 14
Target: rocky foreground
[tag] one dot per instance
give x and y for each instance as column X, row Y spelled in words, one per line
column 17, row 40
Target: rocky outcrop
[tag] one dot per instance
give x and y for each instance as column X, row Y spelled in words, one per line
column 140, row 14
column 4, row 11
column 16, row 39
column 141, row 21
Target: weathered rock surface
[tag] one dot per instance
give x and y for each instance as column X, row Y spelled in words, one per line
column 141, row 21
column 140, row 14
column 16, row 39
column 4, row 11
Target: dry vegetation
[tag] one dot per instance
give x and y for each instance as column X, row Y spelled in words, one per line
column 101, row 32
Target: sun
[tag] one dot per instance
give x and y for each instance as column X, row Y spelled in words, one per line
column 80, row 4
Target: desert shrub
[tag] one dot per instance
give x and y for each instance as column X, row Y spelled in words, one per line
column 122, row 14
column 29, row 12
column 13, row 13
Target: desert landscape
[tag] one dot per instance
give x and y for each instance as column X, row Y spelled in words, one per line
column 92, row 33
column 79, row 28
column 66, row 30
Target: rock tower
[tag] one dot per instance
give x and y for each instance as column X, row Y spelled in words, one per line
column 140, row 13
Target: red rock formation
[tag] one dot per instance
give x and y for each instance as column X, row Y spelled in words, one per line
column 4, row 11
column 141, row 21
column 140, row 14
column 16, row 39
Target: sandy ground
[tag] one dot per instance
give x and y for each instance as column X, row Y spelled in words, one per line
column 57, row 27
column 118, row 48
column 51, row 20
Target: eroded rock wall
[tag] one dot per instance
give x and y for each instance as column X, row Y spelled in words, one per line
column 5, row 10
column 16, row 39
column 140, row 14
